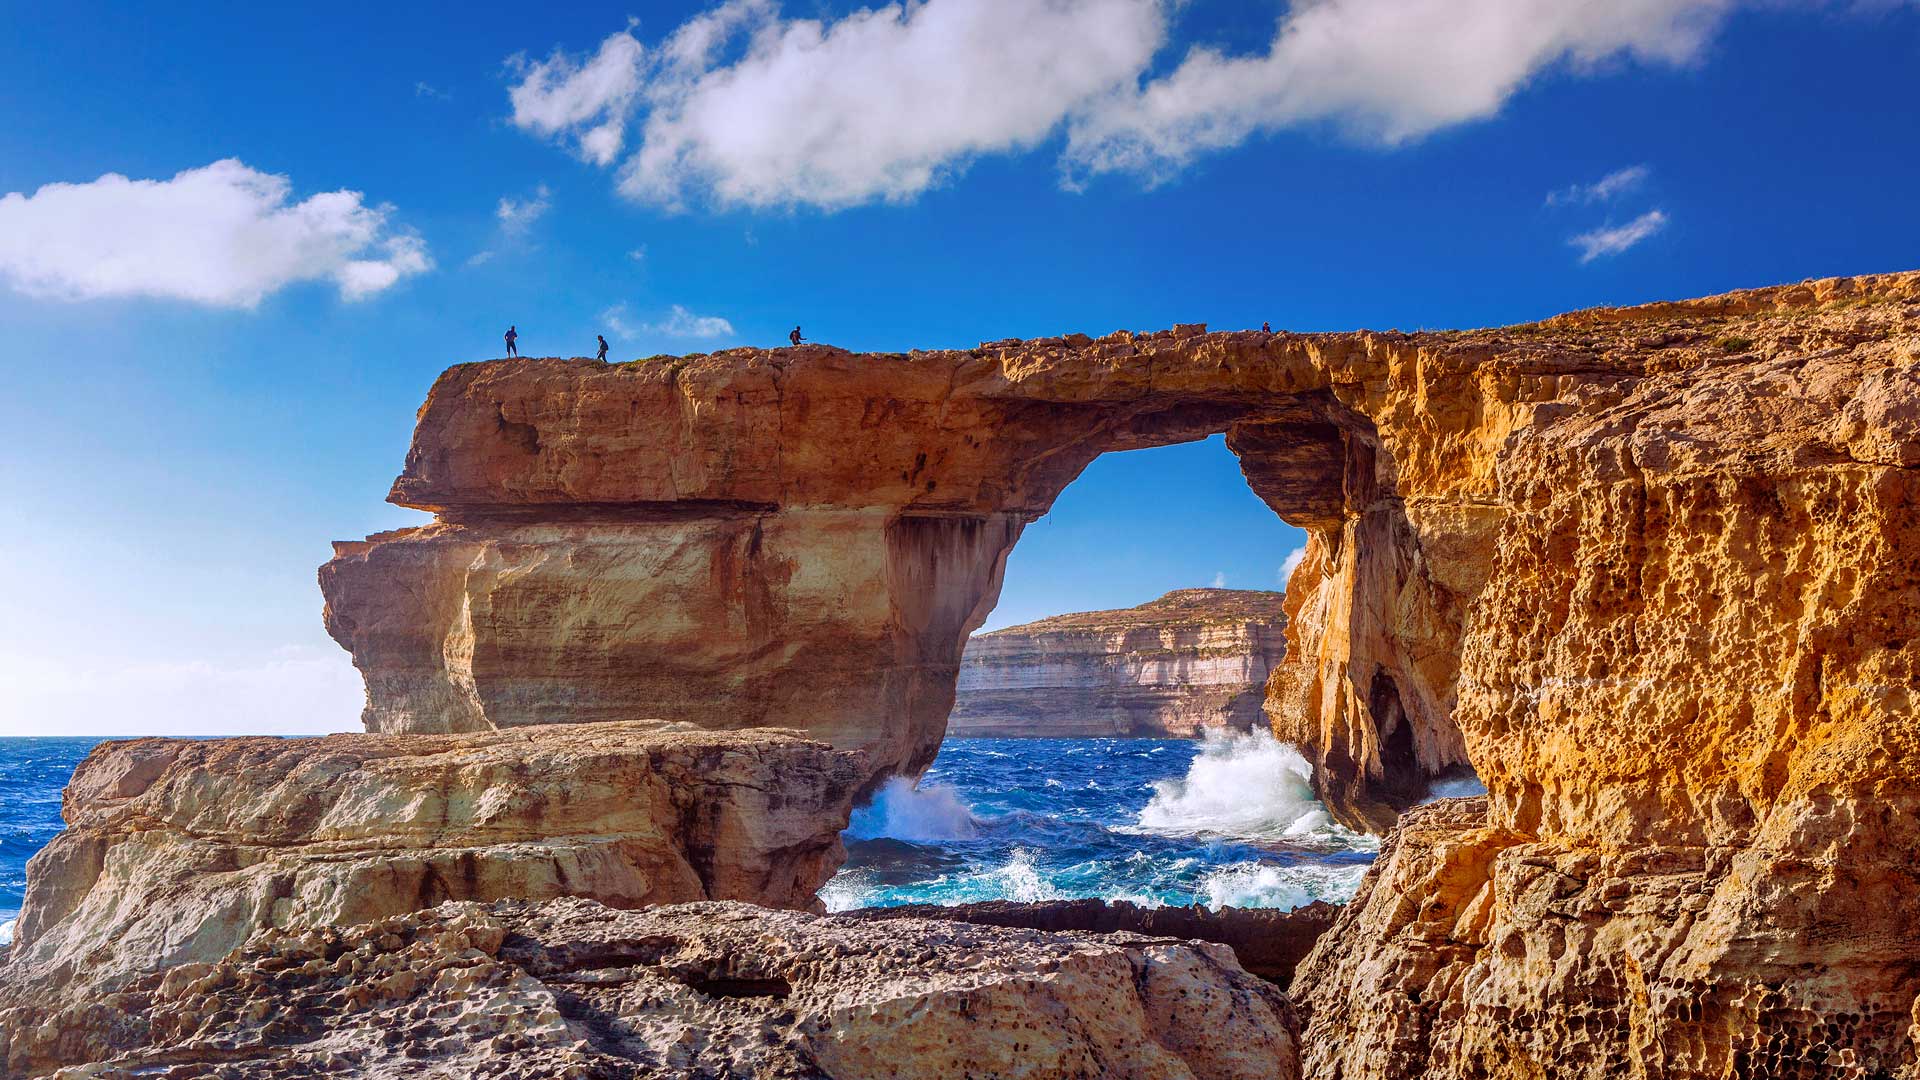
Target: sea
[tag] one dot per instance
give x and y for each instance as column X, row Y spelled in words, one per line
column 1228, row 820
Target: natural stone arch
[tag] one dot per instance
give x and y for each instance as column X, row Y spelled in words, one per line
column 806, row 538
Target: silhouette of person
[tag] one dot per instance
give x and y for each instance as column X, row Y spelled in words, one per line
column 1266, row 328
column 603, row 347
column 795, row 336
column 513, row 335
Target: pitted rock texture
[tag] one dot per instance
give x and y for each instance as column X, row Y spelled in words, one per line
column 1192, row 661
column 177, row 850
column 1473, row 951
column 711, row 991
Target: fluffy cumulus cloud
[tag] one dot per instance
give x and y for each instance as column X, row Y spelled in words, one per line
column 1382, row 70
column 225, row 235
column 742, row 106
column 586, row 102
column 1614, row 239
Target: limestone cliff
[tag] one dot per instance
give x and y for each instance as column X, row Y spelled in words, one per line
column 1192, row 660
column 571, row 989
column 1654, row 572
column 176, row 850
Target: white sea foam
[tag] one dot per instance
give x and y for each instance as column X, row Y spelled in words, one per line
column 905, row 811
column 6, row 931
column 1262, row 885
column 1248, row 786
column 1455, row 787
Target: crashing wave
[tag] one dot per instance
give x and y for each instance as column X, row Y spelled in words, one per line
column 1247, row 786
column 1262, row 885
column 903, row 810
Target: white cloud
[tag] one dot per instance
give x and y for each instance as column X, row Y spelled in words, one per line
column 291, row 690
column 1614, row 239
column 588, row 101
column 1291, row 563
column 1382, row 70
column 679, row 323
column 638, row 254
column 742, row 107
column 878, row 106
column 1220, row 580
column 428, row 90
column 480, row 258
column 1605, row 189
column 223, row 234
column 516, row 216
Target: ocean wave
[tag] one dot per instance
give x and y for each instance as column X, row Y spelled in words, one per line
column 1246, row 786
column 903, row 810
column 6, row 931
column 1455, row 787
column 1263, row 885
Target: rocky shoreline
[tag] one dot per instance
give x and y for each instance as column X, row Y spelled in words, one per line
column 1653, row 573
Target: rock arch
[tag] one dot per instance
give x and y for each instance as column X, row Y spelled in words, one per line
column 805, row 538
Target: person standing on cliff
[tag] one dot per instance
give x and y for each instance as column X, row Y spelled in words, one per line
column 602, row 338
column 795, row 336
column 1266, row 328
column 513, row 335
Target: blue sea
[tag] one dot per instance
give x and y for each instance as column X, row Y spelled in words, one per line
column 32, row 772
column 1228, row 820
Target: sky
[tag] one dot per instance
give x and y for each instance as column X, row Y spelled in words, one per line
column 237, row 243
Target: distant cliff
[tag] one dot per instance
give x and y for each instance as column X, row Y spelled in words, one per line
column 1191, row 660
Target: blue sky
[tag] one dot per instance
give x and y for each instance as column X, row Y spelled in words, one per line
column 211, row 365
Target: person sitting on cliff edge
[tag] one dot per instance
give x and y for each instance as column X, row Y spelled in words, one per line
column 513, row 335
column 795, row 336
column 602, row 338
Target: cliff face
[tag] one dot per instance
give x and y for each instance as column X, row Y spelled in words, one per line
column 1192, row 660
column 177, row 850
column 1654, row 572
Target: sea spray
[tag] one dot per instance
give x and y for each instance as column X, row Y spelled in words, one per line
column 1247, row 786
column 986, row 824
column 904, row 810
column 1461, row 786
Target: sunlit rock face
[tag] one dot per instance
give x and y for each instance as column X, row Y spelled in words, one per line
column 805, row 537
column 1192, row 661
column 176, row 850
column 1651, row 571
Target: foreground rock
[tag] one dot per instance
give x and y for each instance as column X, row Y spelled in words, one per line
column 1471, row 951
column 573, row 989
column 1267, row 942
column 177, row 850
column 1192, row 661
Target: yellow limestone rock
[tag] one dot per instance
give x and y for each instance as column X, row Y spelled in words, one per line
column 177, row 850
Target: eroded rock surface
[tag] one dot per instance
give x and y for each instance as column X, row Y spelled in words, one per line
column 1192, row 661
column 571, row 988
column 176, row 850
